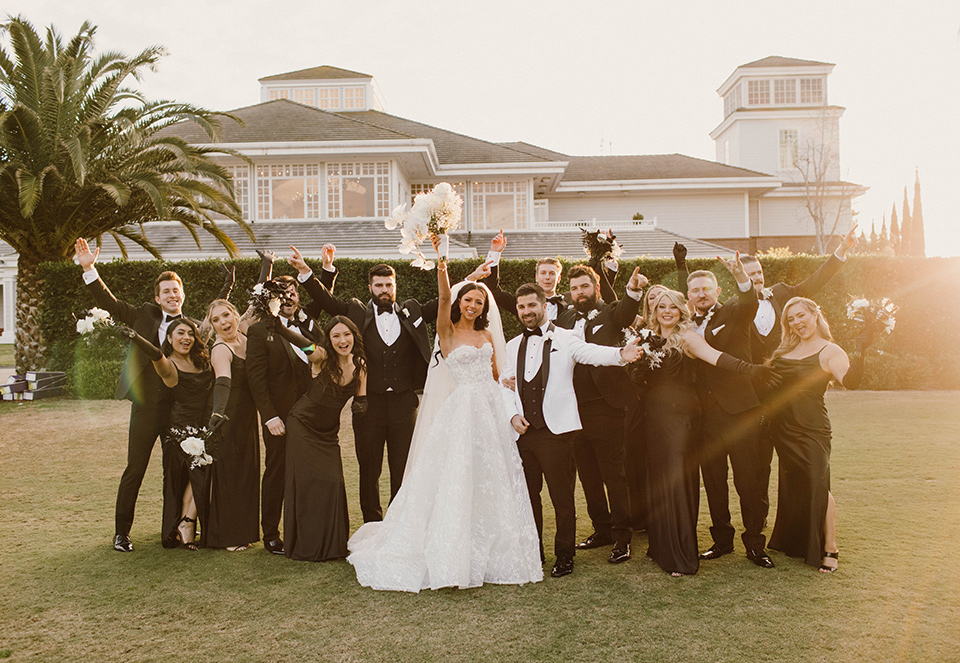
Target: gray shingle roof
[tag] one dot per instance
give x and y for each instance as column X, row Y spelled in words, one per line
column 780, row 61
column 649, row 167
column 371, row 240
column 315, row 73
column 285, row 120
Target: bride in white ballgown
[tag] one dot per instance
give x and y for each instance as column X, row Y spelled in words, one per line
column 462, row 516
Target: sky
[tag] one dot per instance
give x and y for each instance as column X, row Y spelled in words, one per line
column 617, row 77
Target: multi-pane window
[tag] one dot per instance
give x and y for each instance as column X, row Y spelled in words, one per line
column 354, row 97
column 811, row 91
column 459, row 187
column 784, row 91
column 304, row 95
column 731, row 101
column 758, row 93
column 328, row 98
column 788, row 148
column 279, row 94
column 358, row 189
column 499, row 205
column 241, row 187
column 288, row 191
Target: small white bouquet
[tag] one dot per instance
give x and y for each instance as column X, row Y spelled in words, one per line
column 651, row 343
column 879, row 314
column 435, row 213
column 193, row 442
column 96, row 323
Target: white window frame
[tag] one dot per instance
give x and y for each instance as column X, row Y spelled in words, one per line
column 268, row 172
column 810, row 87
column 335, row 174
column 789, row 144
column 521, row 203
column 758, row 92
column 784, row 91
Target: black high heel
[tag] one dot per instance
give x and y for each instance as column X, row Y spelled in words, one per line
column 824, row 568
column 192, row 544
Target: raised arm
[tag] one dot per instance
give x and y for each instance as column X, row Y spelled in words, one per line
column 697, row 347
column 164, row 367
column 315, row 353
column 318, row 292
column 746, row 303
column 628, row 307
column 680, row 258
column 444, row 323
column 120, row 310
column 811, row 285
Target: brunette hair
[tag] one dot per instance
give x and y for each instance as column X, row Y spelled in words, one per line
column 380, row 270
column 550, row 261
column 532, row 289
column 330, row 371
column 583, row 270
column 482, row 321
column 198, row 351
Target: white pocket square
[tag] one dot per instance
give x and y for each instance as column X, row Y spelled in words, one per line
column 717, row 330
column 416, row 323
column 594, row 330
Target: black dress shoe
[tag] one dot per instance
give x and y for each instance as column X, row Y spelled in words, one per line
column 563, row 567
column 122, row 543
column 595, row 541
column 760, row 558
column 274, row 546
column 716, row 552
column 620, row 553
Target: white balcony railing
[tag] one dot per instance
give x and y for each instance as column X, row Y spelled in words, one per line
column 642, row 224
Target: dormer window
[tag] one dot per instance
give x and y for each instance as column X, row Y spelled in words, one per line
column 332, row 98
column 758, row 93
column 811, row 91
column 784, row 91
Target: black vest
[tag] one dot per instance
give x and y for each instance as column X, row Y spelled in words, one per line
column 390, row 367
column 531, row 395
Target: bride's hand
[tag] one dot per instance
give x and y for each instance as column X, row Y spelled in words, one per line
column 510, row 383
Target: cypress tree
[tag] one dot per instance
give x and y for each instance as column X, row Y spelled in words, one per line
column 884, row 242
column 906, row 228
column 874, row 244
column 917, row 242
column 894, row 232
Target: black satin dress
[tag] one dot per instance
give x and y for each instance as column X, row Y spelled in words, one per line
column 801, row 430
column 671, row 416
column 191, row 407
column 234, row 476
column 315, row 521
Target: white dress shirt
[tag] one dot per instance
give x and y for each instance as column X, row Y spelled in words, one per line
column 388, row 324
column 765, row 318
column 534, row 355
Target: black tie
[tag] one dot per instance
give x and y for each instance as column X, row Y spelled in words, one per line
column 532, row 332
column 556, row 299
column 169, row 318
column 384, row 308
column 698, row 319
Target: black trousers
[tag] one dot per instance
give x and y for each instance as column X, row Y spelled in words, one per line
column 389, row 422
column 146, row 424
column 634, row 446
column 548, row 456
column 599, row 453
column 271, row 486
column 737, row 437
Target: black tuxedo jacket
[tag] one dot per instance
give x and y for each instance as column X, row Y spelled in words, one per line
column 414, row 318
column 277, row 376
column 139, row 382
column 763, row 346
column 729, row 330
column 507, row 301
column 612, row 382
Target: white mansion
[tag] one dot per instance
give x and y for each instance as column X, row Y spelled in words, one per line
column 328, row 165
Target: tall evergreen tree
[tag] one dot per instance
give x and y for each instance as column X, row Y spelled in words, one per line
column 918, row 242
column 882, row 241
column 894, row 231
column 874, row 244
column 906, row 228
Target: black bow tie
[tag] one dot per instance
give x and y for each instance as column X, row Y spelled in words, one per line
column 169, row 318
column 585, row 315
column 698, row 319
column 556, row 299
column 384, row 308
column 536, row 331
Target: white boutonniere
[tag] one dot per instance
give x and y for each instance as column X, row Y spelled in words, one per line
column 706, row 319
column 406, row 312
column 592, row 314
column 767, row 293
column 301, row 316
column 548, row 335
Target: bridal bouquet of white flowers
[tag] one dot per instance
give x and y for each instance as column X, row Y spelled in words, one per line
column 600, row 246
column 652, row 344
column 193, row 442
column 94, row 324
column 434, row 213
column 878, row 315
column 266, row 298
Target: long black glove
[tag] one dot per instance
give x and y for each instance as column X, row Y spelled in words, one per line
column 146, row 347
column 759, row 374
column 221, row 394
column 293, row 336
column 229, row 276
column 680, row 255
column 266, row 265
column 359, row 406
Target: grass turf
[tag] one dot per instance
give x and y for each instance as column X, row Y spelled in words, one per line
column 65, row 594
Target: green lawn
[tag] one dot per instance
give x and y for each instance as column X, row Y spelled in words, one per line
column 66, row 595
column 6, row 354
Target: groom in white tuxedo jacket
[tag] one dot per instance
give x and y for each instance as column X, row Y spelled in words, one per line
column 543, row 410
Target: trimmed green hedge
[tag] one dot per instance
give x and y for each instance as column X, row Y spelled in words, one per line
column 920, row 354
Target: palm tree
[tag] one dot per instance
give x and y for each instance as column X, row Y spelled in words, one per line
column 82, row 155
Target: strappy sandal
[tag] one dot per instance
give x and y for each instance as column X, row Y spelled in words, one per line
column 831, row 562
column 245, row 546
column 192, row 544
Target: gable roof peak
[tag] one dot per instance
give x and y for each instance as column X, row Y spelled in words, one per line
column 781, row 61
column 322, row 72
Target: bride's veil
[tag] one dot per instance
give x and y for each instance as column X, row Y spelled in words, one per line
column 440, row 382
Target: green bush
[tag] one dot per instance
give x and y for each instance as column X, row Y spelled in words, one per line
column 918, row 355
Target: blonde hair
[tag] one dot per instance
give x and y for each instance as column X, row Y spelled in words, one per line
column 647, row 309
column 206, row 328
column 676, row 338
column 789, row 340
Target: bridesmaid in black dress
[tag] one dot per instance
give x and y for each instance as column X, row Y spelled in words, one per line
column 184, row 366
column 234, row 477
column 315, row 521
column 807, row 361
column 671, row 416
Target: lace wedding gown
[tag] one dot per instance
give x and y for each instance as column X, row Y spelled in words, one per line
column 462, row 516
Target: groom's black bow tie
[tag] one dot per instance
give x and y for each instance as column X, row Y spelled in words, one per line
column 536, row 331
column 384, row 308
